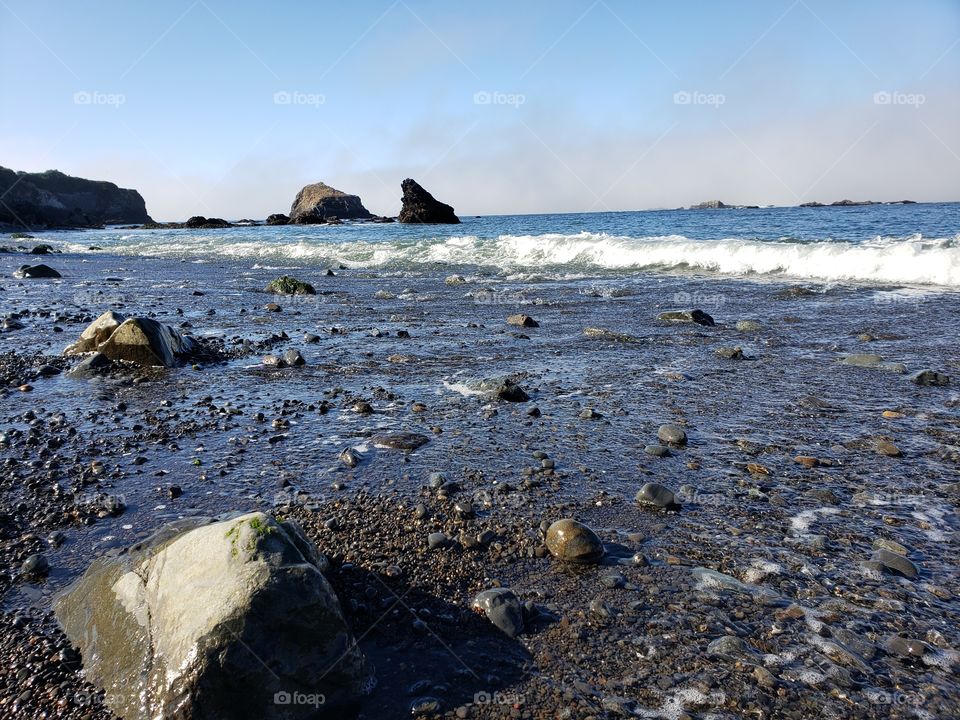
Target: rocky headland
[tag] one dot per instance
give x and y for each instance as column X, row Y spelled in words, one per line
column 51, row 199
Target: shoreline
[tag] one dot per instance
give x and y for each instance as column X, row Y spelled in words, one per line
column 811, row 624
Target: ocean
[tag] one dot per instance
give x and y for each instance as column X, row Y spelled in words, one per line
column 909, row 244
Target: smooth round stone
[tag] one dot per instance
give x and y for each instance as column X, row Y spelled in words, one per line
column 905, row 647
column 436, row 540
column 400, row 441
column 502, row 608
column 613, row 581
column 672, row 434
column 657, row 450
column 897, row 564
column 574, row 542
column 891, row 545
column 748, row 325
column 436, row 480
column 728, row 645
column 35, row 566
column 656, row 495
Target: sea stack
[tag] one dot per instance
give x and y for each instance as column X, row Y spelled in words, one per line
column 419, row 206
column 320, row 203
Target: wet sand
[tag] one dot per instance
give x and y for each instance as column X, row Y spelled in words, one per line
column 106, row 461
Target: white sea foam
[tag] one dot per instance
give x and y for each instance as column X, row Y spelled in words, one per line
column 913, row 260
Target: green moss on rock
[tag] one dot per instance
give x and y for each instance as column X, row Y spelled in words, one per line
column 287, row 285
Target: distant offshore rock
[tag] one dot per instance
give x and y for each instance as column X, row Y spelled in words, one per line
column 719, row 205
column 320, row 203
column 54, row 200
column 419, row 206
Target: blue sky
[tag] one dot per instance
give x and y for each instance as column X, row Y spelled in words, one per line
column 228, row 108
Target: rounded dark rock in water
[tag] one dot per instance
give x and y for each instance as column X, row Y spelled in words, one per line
column 502, row 608
column 93, row 365
column 293, row 358
column 36, row 272
column 698, row 317
column 502, row 388
column 730, row 353
column 905, row 647
column 278, row 219
column 672, row 434
column 399, row 440
column 657, row 450
column 287, row 285
column 574, row 542
column 656, row 495
column 350, row 457
column 419, row 206
column 929, row 377
column 35, row 566
column 748, row 325
column 522, row 321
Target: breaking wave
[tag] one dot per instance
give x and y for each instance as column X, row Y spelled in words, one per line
column 912, row 260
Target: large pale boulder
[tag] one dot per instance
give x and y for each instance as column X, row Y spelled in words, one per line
column 319, row 203
column 138, row 340
column 96, row 333
column 213, row 620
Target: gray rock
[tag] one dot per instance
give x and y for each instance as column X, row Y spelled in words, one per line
column 399, row 440
column 729, row 646
column 656, row 495
column 672, row 434
column 350, row 457
column 501, row 388
column 502, row 608
column 929, row 377
column 318, row 203
column 574, row 542
column 522, row 321
column 862, row 360
column 95, row 364
column 293, row 358
column 657, row 450
column 730, row 353
column 748, row 325
column 138, row 340
column 213, row 621
column 907, row 648
column 437, row 540
column 698, row 317
column 35, row 567
column 36, row 272
column 895, row 563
